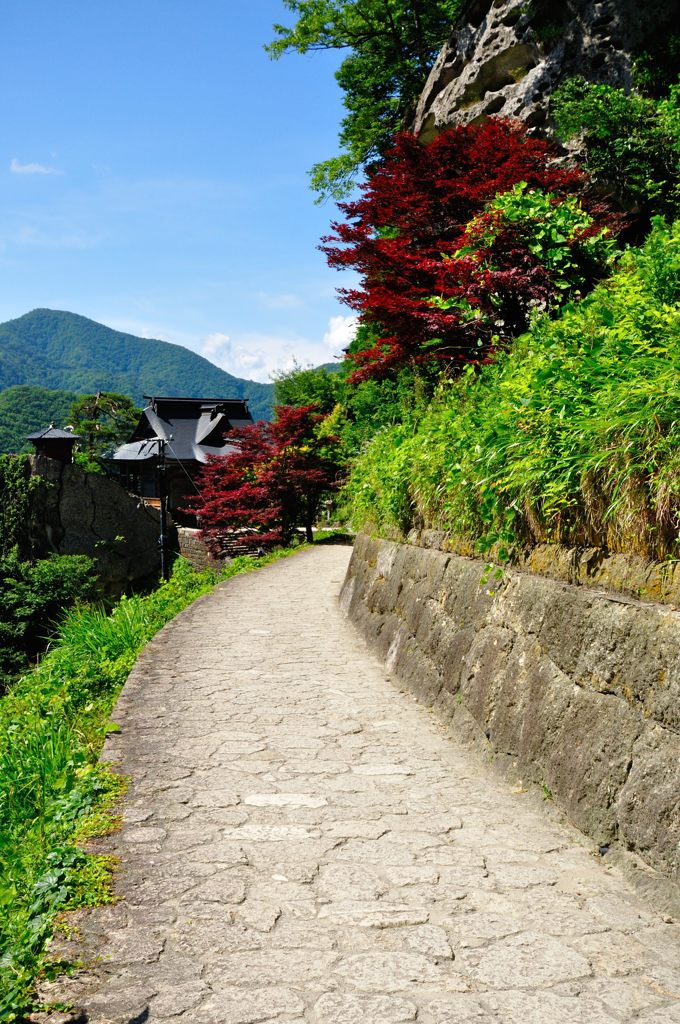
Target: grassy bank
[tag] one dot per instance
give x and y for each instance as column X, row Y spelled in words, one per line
column 572, row 436
column 53, row 793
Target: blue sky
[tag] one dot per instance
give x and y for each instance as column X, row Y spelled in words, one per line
column 153, row 176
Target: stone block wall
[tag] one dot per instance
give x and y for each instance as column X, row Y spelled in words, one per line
column 194, row 550
column 579, row 688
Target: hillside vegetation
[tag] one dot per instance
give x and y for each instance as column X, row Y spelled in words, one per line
column 571, row 436
column 25, row 409
column 64, row 351
column 515, row 377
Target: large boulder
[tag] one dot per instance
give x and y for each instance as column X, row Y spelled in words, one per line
column 507, row 57
column 81, row 513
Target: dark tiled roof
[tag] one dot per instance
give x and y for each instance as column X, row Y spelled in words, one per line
column 53, row 433
column 192, row 428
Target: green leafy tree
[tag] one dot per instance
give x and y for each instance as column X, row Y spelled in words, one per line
column 103, row 421
column 630, row 143
column 310, row 386
column 371, row 405
column 657, row 65
column 391, row 44
column 352, row 413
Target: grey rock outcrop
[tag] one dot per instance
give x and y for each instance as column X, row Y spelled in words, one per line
column 507, row 57
column 82, row 513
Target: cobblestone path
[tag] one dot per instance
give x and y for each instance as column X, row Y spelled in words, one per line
column 304, row 843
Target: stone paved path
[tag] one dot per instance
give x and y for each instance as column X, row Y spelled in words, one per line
column 303, row 843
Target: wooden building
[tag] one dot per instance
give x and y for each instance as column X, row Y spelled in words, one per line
column 53, row 443
column 188, row 430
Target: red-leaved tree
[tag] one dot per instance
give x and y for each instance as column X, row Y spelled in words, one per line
column 272, row 482
column 422, row 296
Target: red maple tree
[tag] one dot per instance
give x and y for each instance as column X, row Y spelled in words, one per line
column 272, row 482
column 403, row 235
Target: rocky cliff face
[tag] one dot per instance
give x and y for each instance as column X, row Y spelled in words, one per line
column 507, row 57
column 87, row 514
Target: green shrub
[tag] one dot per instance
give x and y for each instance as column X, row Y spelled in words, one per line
column 33, row 595
column 556, row 231
column 631, row 143
column 572, row 436
column 17, row 488
column 377, row 492
column 656, row 65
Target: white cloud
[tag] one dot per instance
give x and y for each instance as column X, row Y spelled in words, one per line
column 253, row 356
column 340, row 333
column 17, row 168
column 216, row 346
column 258, row 356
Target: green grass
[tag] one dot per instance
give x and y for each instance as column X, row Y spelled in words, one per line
column 54, row 795
column 572, row 436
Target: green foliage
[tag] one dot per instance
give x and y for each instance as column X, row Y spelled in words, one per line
column 33, row 595
column 392, row 44
column 17, row 489
column 373, row 405
column 657, row 63
column 378, row 495
column 355, row 412
column 25, row 409
column 53, row 794
column 631, row 143
column 572, row 436
column 334, row 178
column 103, row 421
column 556, row 231
column 66, row 351
column 309, row 386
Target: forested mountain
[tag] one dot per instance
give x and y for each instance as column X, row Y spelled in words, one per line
column 24, row 409
column 64, row 351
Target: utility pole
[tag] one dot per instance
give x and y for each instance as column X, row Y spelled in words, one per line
column 162, row 494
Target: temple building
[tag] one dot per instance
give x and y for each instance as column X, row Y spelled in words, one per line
column 187, row 430
column 53, row 443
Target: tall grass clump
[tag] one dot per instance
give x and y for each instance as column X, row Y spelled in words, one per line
column 53, row 793
column 571, row 436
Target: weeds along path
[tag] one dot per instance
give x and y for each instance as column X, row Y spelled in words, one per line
column 302, row 842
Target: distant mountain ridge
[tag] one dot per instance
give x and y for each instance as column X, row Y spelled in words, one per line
column 63, row 351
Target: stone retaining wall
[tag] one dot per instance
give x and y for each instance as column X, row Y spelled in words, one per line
column 629, row 574
column 194, row 550
column 579, row 688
